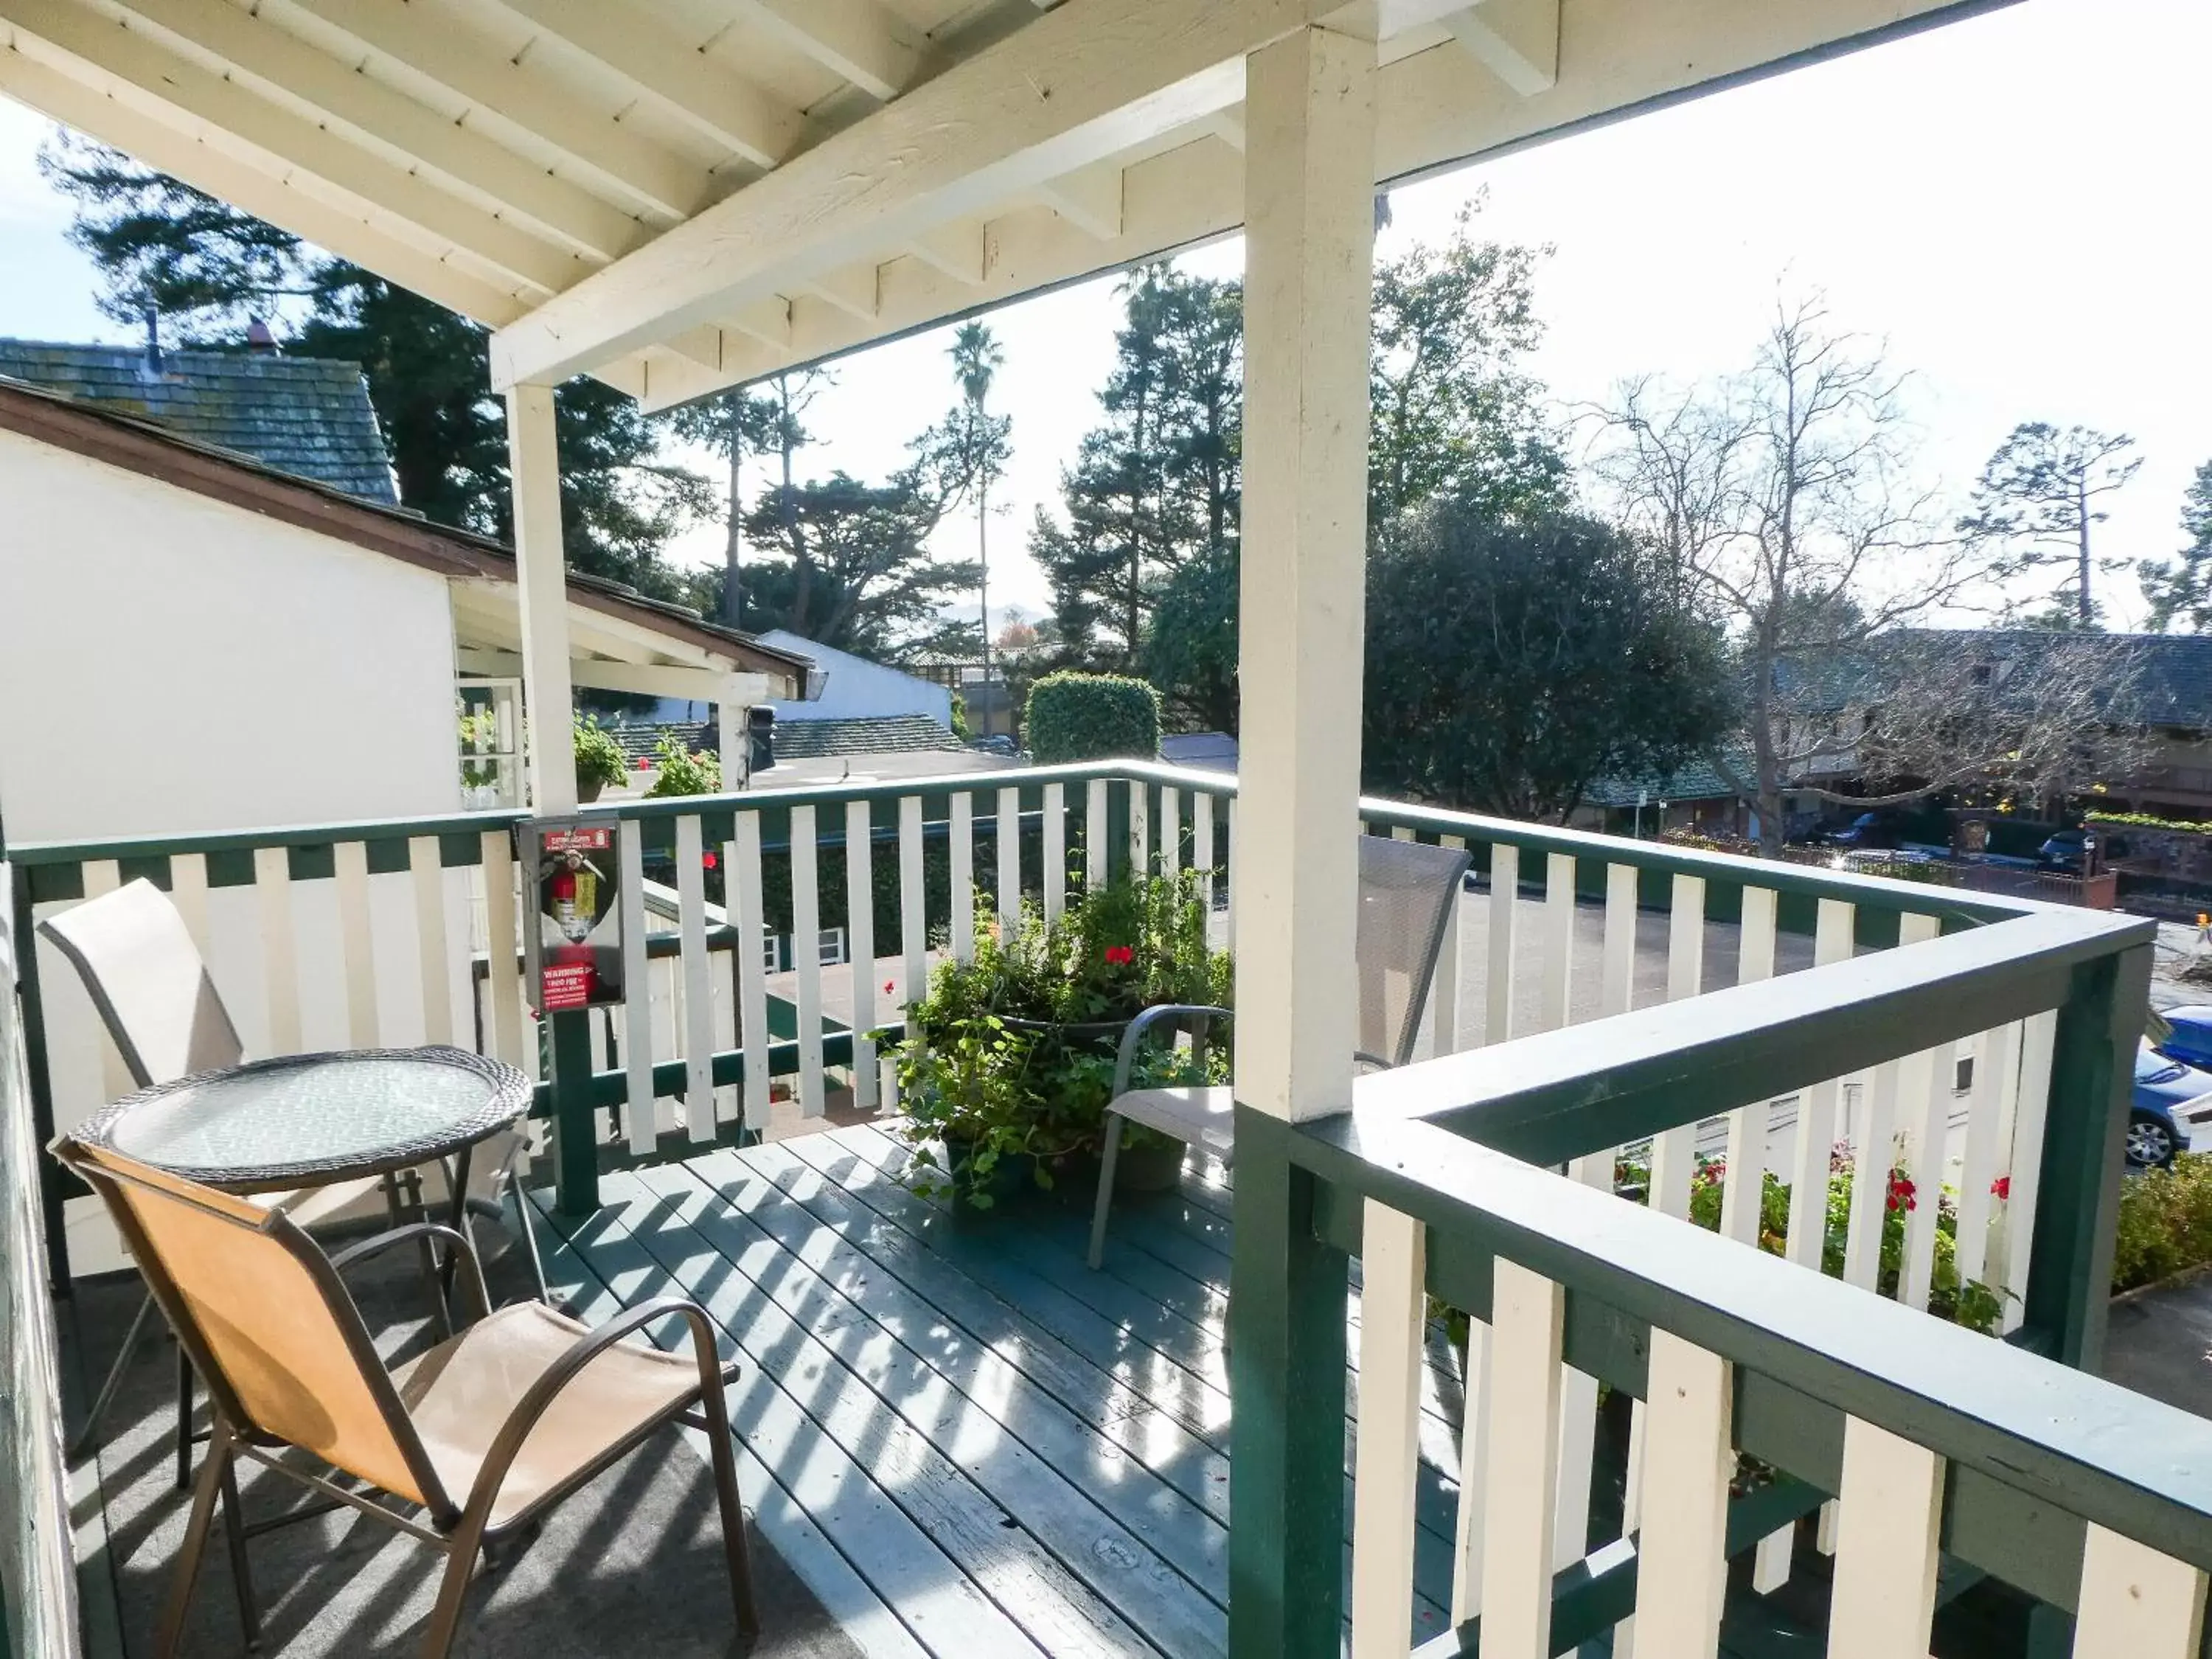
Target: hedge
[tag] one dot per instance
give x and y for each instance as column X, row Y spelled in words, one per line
column 1082, row 717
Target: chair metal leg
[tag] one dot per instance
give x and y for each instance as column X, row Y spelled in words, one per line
column 715, row 1406
column 463, row 1549
column 1109, row 1154
column 195, row 1544
column 241, row 1574
column 89, row 1436
column 183, row 1419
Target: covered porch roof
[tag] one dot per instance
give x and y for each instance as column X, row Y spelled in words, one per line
column 685, row 197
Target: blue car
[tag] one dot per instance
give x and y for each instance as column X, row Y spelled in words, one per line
column 2165, row 1085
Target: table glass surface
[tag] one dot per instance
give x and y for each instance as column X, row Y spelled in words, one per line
column 329, row 1112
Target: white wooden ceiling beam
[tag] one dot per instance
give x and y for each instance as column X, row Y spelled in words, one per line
column 1516, row 40
column 470, row 68
column 1436, row 107
column 960, row 249
column 860, row 39
column 131, row 57
column 244, row 46
column 264, row 191
column 634, row 42
column 1228, row 125
column 852, row 291
column 643, row 678
column 1089, row 200
column 1073, row 88
column 767, row 321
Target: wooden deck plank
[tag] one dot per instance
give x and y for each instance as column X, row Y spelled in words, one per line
column 781, row 1512
column 1152, row 1438
column 864, row 1165
column 1199, row 1305
column 992, row 1547
column 1158, row 1560
column 904, row 1563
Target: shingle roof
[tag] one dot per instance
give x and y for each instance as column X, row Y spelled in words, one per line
column 886, row 734
column 309, row 417
column 2156, row 680
column 1696, row 780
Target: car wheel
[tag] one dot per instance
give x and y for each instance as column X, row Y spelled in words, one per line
column 2150, row 1143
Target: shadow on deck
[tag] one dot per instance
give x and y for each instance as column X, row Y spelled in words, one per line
column 956, row 1441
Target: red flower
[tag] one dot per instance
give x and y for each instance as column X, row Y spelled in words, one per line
column 706, row 859
column 2002, row 1188
column 1120, row 955
column 887, row 988
column 644, row 763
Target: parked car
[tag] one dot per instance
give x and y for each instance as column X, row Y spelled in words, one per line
column 2159, row 1115
column 1886, row 828
column 2183, row 1034
column 2065, row 851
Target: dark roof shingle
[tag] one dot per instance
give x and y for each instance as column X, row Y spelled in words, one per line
column 309, row 417
column 886, row 734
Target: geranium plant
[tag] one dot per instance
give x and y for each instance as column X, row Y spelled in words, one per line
column 1008, row 1060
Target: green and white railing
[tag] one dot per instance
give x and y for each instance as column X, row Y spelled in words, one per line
column 1936, row 1440
column 37, row 1575
column 404, row 931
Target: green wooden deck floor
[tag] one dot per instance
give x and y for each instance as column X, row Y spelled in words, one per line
column 968, row 1443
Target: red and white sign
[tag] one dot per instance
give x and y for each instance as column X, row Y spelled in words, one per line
column 566, row 985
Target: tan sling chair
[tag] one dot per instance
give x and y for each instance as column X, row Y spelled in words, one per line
column 484, row 1432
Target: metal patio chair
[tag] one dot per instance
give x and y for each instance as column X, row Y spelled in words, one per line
column 1407, row 890
column 482, row 1434
column 154, row 993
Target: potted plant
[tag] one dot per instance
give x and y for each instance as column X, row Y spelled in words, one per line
column 1008, row 1062
column 599, row 760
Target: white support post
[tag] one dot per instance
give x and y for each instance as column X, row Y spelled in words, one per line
column 739, row 693
column 541, row 577
column 1309, row 249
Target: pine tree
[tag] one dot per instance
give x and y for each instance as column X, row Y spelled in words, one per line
column 2180, row 590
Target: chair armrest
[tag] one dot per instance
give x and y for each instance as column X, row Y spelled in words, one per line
column 382, row 1241
column 565, row 1370
column 1125, row 1056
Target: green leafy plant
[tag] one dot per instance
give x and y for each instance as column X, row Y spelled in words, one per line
column 684, row 771
column 1008, row 1062
column 599, row 758
column 1972, row 1303
column 2165, row 1223
column 2147, row 821
column 1079, row 717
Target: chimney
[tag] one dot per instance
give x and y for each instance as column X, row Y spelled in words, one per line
column 259, row 340
column 151, row 368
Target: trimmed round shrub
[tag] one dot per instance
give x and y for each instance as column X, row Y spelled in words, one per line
column 1080, row 717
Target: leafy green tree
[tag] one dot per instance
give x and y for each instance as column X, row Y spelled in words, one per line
column 209, row 271
column 1452, row 415
column 734, row 424
column 2180, row 589
column 1511, row 664
column 1157, row 483
column 2036, row 504
column 977, row 446
column 847, row 563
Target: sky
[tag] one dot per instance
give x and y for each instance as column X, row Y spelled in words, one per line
column 2010, row 207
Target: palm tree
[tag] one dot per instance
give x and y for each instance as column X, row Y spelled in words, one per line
column 976, row 359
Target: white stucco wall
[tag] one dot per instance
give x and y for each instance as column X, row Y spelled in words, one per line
column 857, row 688
column 173, row 663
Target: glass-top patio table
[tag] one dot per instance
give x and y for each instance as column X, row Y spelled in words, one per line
column 313, row 1120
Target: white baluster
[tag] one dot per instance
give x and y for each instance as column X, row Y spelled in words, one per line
column 806, row 944
column 861, row 948
column 1527, row 1323
column 1056, row 850
column 1094, row 835
column 1884, row 1596
column 641, row 1112
column 1393, row 1321
column 963, row 876
column 2137, row 1601
column 427, row 869
column 1682, row 1573
column 743, row 856
column 356, row 941
column 914, row 915
column 1009, row 856
column 1505, row 905
column 503, row 976
column 280, row 950
column 2038, row 1034
column 698, row 978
